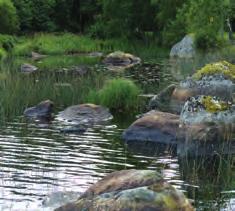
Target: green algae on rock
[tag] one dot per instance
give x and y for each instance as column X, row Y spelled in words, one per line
column 137, row 190
column 225, row 68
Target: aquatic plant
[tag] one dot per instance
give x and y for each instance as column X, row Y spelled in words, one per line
column 223, row 67
column 117, row 94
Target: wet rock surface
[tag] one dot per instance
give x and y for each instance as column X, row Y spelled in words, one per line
column 203, row 119
column 154, row 126
column 138, row 190
column 28, row 68
column 120, row 60
column 57, row 199
column 85, row 114
column 41, row 111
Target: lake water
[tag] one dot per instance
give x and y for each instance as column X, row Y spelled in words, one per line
column 38, row 162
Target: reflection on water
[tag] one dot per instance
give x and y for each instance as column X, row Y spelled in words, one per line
column 37, row 160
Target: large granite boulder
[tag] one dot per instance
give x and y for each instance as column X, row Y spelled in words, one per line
column 41, row 111
column 120, row 60
column 184, row 49
column 85, row 114
column 139, row 190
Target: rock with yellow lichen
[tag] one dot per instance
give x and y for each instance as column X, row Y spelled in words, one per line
column 201, row 109
column 138, row 190
column 224, row 68
column 216, row 79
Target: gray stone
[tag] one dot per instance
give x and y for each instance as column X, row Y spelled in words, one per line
column 217, row 111
column 119, row 60
column 28, row 68
column 85, row 114
column 42, row 110
column 184, row 49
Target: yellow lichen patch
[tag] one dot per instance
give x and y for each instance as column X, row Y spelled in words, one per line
column 213, row 106
column 222, row 67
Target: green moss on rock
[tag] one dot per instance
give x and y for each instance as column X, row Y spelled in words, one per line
column 223, row 67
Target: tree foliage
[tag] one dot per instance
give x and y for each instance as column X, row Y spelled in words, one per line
column 166, row 20
column 8, row 17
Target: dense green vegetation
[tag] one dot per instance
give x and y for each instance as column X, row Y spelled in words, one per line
column 117, row 94
column 164, row 21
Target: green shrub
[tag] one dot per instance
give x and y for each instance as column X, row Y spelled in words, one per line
column 2, row 54
column 117, row 94
column 7, row 42
column 8, row 17
column 206, row 40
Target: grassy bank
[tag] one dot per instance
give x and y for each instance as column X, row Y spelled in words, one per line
column 67, row 43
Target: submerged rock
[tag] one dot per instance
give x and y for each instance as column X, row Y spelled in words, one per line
column 78, row 129
column 42, row 110
column 138, row 190
column 80, row 70
column 28, row 68
column 59, row 198
column 120, row 60
column 184, row 49
column 85, row 114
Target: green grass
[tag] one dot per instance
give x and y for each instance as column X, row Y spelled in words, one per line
column 117, row 94
column 61, row 44
column 18, row 91
column 57, row 62
column 52, row 44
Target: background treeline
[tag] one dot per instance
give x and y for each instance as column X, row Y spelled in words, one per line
column 166, row 21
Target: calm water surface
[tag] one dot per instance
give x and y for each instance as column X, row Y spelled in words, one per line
column 37, row 161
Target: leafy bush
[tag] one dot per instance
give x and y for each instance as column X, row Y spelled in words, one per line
column 8, row 17
column 2, row 54
column 206, row 40
column 117, row 94
column 7, row 42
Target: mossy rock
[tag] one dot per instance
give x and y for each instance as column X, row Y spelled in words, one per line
column 223, row 67
column 138, row 190
column 214, row 105
column 201, row 109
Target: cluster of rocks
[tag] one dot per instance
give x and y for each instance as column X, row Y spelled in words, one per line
column 198, row 110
